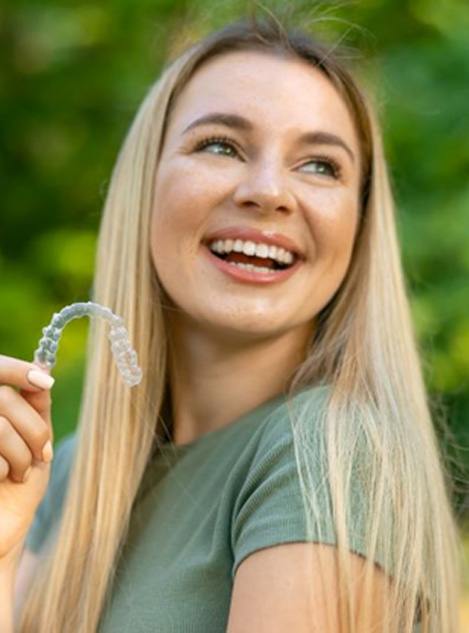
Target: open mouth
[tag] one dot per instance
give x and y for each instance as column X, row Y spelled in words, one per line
column 252, row 262
column 253, row 257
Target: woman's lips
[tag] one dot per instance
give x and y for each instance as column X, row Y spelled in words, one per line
column 250, row 276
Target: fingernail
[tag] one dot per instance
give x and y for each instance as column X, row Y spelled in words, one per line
column 40, row 379
column 26, row 474
column 47, row 452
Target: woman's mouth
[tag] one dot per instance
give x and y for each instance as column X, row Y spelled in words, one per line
column 252, row 263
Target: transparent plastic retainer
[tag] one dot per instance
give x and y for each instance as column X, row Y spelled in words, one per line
column 124, row 355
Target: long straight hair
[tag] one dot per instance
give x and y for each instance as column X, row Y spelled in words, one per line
column 375, row 427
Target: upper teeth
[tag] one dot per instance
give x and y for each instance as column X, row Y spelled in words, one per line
column 251, row 248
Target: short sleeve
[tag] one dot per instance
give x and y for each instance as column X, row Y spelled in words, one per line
column 269, row 509
column 49, row 510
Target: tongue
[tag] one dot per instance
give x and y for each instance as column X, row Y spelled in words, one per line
column 241, row 258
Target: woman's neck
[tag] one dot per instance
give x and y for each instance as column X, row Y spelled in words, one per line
column 214, row 382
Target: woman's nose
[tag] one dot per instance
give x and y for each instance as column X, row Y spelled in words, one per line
column 265, row 189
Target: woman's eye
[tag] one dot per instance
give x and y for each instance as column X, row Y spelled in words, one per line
column 325, row 167
column 220, row 141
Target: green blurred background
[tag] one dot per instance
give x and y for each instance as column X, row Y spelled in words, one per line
column 72, row 77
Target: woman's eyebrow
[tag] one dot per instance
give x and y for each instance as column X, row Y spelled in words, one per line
column 241, row 123
column 231, row 120
column 325, row 138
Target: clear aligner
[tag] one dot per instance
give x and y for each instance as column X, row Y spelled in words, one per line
column 124, row 355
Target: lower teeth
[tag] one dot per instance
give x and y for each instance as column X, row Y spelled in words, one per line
column 257, row 269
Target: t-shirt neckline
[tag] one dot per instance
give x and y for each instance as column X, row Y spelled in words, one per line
column 176, row 449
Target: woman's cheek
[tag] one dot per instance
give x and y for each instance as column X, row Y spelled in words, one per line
column 181, row 208
column 194, row 191
column 332, row 219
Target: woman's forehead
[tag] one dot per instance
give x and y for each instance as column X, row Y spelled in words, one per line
column 268, row 90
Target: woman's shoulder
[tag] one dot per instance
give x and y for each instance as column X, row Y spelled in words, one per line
column 298, row 410
column 66, row 445
column 64, row 452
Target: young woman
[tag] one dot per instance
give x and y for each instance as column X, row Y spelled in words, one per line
column 277, row 468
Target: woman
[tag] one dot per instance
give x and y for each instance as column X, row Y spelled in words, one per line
column 279, row 452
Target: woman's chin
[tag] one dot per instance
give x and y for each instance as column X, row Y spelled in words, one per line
column 241, row 326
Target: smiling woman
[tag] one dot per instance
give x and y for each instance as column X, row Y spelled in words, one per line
column 277, row 469
column 288, row 178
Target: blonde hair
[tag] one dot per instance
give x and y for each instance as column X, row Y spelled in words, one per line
column 376, row 424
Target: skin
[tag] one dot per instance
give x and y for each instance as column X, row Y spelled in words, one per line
column 234, row 345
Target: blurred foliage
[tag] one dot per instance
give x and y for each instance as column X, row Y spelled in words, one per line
column 72, row 77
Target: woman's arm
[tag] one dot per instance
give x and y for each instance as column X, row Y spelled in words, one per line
column 277, row 589
column 7, row 583
column 16, row 572
column 26, row 570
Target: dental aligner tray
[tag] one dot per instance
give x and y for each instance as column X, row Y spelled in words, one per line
column 124, row 355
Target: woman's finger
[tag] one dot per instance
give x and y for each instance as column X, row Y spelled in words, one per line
column 22, row 374
column 25, row 420
column 14, row 451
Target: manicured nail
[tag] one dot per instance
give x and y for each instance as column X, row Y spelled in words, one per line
column 26, row 474
column 47, row 452
column 40, row 379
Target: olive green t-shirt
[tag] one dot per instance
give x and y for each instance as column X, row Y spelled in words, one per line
column 201, row 509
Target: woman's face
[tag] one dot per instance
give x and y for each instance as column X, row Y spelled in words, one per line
column 264, row 178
